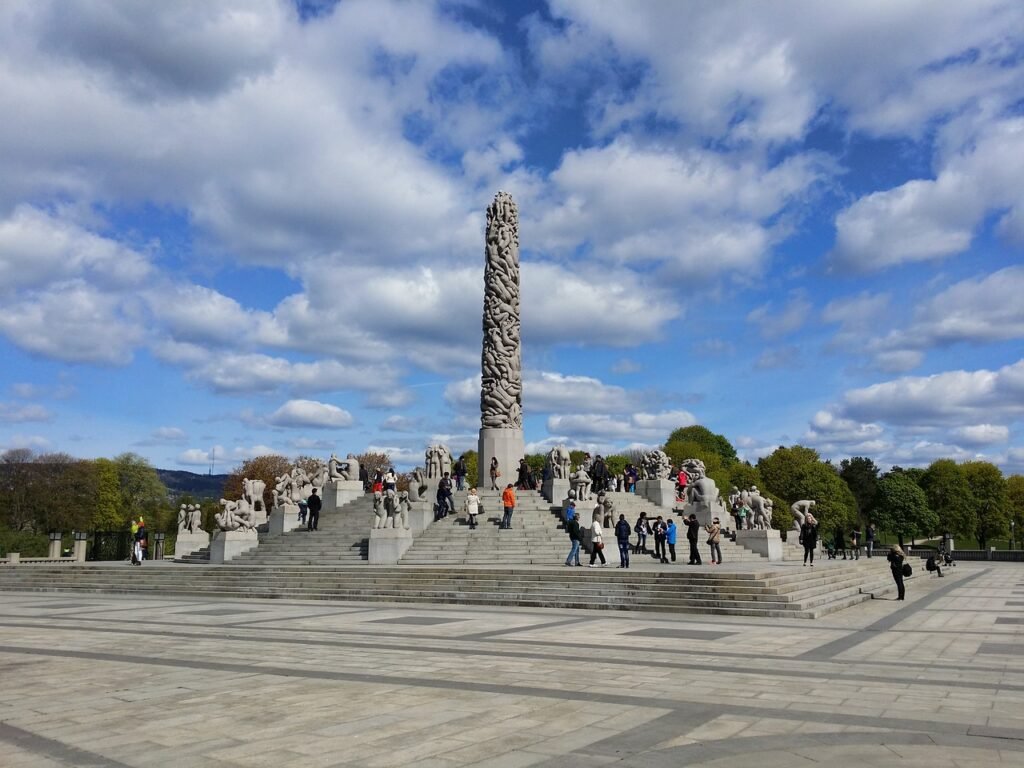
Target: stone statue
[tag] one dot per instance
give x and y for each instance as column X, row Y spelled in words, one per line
column 252, row 492
column 183, row 519
column 343, row 470
column 235, row 516
column 760, row 509
column 558, row 463
column 380, row 521
column 734, row 498
column 417, row 485
column 580, row 482
column 656, row 465
column 438, row 462
column 501, row 386
column 800, row 510
column 190, row 518
column 396, row 508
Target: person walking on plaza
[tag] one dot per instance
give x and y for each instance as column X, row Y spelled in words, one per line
column 692, row 533
column 659, row 529
column 855, row 543
column 642, row 529
column 314, row 503
column 622, row 532
column 572, row 527
column 596, row 543
column 871, row 539
column 896, row 558
column 508, row 501
column 670, row 538
column 809, row 537
column 714, row 541
column 472, row 507
column 495, row 473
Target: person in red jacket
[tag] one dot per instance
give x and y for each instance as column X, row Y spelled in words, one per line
column 508, row 501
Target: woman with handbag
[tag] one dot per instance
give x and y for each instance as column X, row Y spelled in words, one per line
column 896, row 558
column 495, row 474
column 472, row 507
column 596, row 543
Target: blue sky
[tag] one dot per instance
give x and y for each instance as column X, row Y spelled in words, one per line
column 250, row 227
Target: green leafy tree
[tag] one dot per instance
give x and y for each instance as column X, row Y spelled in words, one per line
column 835, row 506
column 742, row 475
column 781, row 470
column 70, row 486
column 861, row 475
column 16, row 479
column 106, row 510
column 142, row 492
column 472, row 466
column 373, row 461
column 949, row 495
column 989, row 499
column 616, row 464
column 1015, row 501
column 901, row 507
column 707, row 439
column 576, row 458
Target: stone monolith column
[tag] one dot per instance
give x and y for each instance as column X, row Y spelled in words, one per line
column 501, row 364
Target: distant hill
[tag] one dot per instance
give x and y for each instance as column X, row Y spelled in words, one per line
column 181, row 483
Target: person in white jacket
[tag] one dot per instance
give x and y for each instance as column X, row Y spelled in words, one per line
column 596, row 543
column 472, row 507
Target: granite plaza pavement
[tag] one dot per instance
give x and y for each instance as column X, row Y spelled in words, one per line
column 122, row 680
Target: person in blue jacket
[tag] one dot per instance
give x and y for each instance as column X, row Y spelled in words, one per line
column 622, row 531
column 670, row 538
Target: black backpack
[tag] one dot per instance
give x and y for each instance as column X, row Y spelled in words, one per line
column 907, row 570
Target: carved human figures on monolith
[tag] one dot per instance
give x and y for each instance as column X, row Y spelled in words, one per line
column 501, row 377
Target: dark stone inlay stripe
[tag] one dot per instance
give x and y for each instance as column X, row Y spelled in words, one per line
column 218, row 612
column 1009, row 620
column 421, row 621
column 1006, row 649
column 55, row 750
column 681, row 634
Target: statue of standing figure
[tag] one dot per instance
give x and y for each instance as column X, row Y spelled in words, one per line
column 252, row 492
column 438, row 462
column 417, row 485
column 558, row 463
column 800, row 510
column 190, row 518
column 579, row 481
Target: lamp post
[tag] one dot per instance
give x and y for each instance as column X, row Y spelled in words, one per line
column 1012, row 524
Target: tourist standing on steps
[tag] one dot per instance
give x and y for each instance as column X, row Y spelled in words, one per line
column 314, row 503
column 871, row 539
column 809, row 537
column 390, row 480
column 495, row 474
column 670, row 539
column 692, row 533
column 364, row 478
column 622, row 532
column 523, row 481
column 570, row 511
column 642, row 529
column 596, row 543
column 572, row 527
column 508, row 501
column 659, row 529
column 855, row 543
column 460, row 472
column 472, row 507
column 445, row 502
column 714, row 541
column 895, row 559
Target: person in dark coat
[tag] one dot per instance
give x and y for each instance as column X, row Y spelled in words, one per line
column 622, row 531
column 314, row 503
column 896, row 558
column 692, row 534
column 809, row 537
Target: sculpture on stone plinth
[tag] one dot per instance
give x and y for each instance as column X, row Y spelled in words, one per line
column 760, row 508
column 800, row 510
column 396, row 506
column 579, row 481
column 438, row 462
column 417, row 485
column 343, row 470
column 656, row 465
column 558, row 463
column 235, row 516
column 734, row 498
column 190, row 519
column 381, row 515
column 252, row 492
column 501, row 384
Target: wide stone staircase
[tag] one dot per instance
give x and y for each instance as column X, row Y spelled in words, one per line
column 778, row 592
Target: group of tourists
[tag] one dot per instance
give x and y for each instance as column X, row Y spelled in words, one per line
column 664, row 533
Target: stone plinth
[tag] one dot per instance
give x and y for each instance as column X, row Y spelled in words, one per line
column 555, row 488
column 421, row 515
column 508, row 446
column 13, row 558
column 187, row 543
column 228, row 545
column 661, row 493
column 54, row 551
column 767, row 543
column 79, row 549
column 338, row 493
column 387, row 545
column 284, row 519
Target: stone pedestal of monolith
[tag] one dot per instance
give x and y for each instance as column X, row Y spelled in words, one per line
column 387, row 545
column 228, row 545
column 283, row 519
column 766, row 543
column 554, row 489
column 338, row 493
column 187, row 543
column 508, row 446
column 421, row 515
column 661, row 493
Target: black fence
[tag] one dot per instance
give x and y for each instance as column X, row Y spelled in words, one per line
column 109, row 545
column 993, row 555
